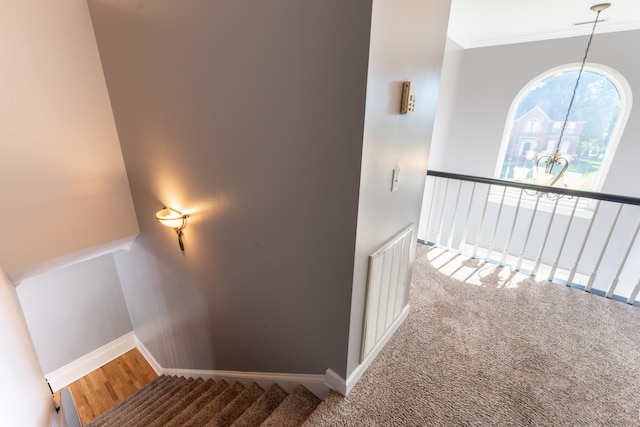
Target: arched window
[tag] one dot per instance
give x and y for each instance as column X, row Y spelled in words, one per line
column 599, row 113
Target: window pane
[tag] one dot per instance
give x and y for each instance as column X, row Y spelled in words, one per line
column 537, row 123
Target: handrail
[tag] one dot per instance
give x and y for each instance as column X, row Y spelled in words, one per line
column 542, row 188
column 567, row 241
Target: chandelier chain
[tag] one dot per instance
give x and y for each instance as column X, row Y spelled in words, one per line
column 575, row 88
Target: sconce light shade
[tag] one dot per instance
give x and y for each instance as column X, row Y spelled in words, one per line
column 173, row 219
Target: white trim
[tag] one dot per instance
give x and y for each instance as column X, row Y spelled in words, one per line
column 534, row 37
column 77, row 369
column 336, row 382
column 316, row 383
column 62, row 377
column 32, row 270
column 343, row 386
column 159, row 370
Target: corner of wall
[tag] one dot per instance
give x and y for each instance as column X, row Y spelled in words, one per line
column 344, row 386
column 75, row 370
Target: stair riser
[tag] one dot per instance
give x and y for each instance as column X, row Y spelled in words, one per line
column 186, row 402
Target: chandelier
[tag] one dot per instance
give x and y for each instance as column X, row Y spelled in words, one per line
column 550, row 167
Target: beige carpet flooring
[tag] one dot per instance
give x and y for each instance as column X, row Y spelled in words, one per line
column 498, row 349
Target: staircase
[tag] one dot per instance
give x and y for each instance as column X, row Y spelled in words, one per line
column 178, row 401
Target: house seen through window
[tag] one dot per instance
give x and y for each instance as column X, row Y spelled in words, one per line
column 600, row 109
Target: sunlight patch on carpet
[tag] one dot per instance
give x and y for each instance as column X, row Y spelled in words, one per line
column 473, row 271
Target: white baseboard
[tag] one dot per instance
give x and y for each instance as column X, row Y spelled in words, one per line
column 336, row 382
column 343, row 386
column 316, row 383
column 77, row 369
column 150, row 359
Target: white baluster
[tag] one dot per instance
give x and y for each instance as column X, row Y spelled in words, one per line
column 453, row 223
column 466, row 223
column 544, row 241
column 433, row 198
column 572, row 273
column 495, row 227
column 513, row 226
column 444, row 204
column 564, row 240
column 634, row 294
column 484, row 211
column 526, row 237
column 614, row 282
column 592, row 278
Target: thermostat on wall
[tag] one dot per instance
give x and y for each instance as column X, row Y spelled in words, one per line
column 408, row 101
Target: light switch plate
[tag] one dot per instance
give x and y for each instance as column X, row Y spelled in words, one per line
column 395, row 182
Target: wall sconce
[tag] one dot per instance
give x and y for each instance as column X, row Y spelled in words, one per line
column 173, row 219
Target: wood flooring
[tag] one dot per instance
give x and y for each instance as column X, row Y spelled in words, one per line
column 110, row 384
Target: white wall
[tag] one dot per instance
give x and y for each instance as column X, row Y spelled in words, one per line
column 74, row 310
column 63, row 187
column 407, row 43
column 451, row 68
column 25, row 399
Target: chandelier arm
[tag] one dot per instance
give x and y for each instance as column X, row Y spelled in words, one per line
column 545, row 160
column 565, row 165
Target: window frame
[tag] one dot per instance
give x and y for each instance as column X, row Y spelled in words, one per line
column 626, row 101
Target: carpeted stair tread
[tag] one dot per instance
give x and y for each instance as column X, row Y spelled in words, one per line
column 157, row 401
column 262, row 407
column 294, row 409
column 122, row 408
column 171, row 401
column 201, row 388
column 146, row 402
column 328, row 413
column 211, row 408
column 237, row 406
column 122, row 417
column 215, row 388
column 176, row 395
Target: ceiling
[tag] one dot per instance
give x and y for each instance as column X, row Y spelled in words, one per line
column 476, row 23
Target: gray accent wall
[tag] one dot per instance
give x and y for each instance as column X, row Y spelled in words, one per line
column 249, row 117
column 74, row 310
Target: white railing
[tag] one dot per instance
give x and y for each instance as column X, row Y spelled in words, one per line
column 582, row 239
